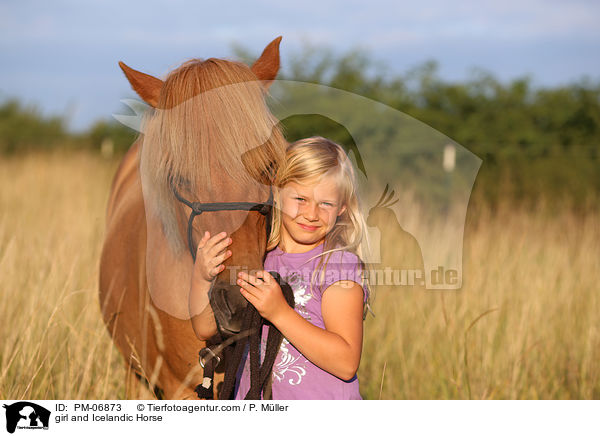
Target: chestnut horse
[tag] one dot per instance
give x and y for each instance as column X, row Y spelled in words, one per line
column 211, row 137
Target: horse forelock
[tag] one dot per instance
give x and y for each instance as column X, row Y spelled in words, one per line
column 212, row 118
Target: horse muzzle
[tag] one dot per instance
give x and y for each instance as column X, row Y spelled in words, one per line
column 228, row 306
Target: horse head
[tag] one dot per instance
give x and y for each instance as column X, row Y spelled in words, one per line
column 212, row 139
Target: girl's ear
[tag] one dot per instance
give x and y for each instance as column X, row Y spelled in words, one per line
column 342, row 210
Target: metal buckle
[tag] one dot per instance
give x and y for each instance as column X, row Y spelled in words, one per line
column 208, row 354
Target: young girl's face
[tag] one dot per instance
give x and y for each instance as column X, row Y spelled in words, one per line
column 309, row 212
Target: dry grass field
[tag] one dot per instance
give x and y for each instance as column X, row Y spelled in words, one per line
column 525, row 325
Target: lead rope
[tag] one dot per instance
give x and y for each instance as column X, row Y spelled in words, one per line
column 251, row 332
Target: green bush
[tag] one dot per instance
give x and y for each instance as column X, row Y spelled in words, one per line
column 534, row 142
column 24, row 128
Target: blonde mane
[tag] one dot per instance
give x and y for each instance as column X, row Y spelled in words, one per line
column 210, row 114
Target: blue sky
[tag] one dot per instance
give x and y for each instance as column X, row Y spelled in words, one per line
column 62, row 55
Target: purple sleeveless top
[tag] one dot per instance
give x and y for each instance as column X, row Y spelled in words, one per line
column 294, row 376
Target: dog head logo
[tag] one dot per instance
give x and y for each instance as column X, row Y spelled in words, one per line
column 26, row 415
column 414, row 182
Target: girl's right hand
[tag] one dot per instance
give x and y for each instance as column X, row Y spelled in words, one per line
column 211, row 254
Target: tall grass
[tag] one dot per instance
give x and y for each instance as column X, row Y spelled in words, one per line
column 54, row 344
column 524, row 325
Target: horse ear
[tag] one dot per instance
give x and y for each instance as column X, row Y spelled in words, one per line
column 147, row 87
column 267, row 65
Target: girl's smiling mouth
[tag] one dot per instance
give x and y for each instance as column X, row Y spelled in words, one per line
column 309, row 228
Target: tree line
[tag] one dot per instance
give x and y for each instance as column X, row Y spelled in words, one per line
column 534, row 141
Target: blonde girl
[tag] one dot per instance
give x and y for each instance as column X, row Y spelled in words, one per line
column 317, row 241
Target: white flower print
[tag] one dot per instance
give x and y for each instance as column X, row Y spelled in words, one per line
column 301, row 295
column 288, row 365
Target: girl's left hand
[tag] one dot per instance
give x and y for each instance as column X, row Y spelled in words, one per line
column 264, row 293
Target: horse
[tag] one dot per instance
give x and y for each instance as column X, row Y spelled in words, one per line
column 209, row 137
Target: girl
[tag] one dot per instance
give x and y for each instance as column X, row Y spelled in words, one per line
column 317, row 240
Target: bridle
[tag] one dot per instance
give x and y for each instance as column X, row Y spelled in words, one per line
column 209, row 357
column 199, row 207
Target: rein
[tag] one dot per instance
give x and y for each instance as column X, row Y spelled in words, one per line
column 251, row 332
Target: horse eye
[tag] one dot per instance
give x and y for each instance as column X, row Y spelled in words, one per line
column 269, row 172
column 180, row 182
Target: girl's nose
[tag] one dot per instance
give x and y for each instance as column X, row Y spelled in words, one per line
column 311, row 212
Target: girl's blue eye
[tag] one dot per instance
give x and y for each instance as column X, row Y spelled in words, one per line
column 327, row 204
column 300, row 198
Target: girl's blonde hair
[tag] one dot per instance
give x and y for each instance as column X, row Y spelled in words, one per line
column 310, row 159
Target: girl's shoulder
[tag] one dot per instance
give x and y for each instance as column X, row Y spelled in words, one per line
column 343, row 259
column 343, row 265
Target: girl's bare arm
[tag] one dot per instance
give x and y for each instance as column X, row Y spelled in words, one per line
column 335, row 349
column 210, row 256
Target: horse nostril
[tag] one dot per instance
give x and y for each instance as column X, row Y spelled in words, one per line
column 226, row 302
column 219, row 301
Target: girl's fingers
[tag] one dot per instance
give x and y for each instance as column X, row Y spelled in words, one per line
column 205, row 237
column 215, row 271
column 249, row 287
column 248, row 278
column 214, row 245
column 220, row 246
column 221, row 258
column 248, row 296
column 216, row 239
column 217, row 262
column 264, row 276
